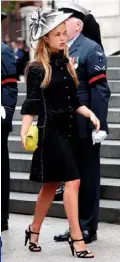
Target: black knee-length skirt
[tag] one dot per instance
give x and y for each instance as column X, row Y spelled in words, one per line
column 56, row 158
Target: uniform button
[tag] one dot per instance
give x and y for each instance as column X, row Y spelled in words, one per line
column 65, row 77
column 68, row 97
column 70, row 107
column 69, row 135
column 67, row 87
column 61, row 68
column 71, row 116
column 70, row 125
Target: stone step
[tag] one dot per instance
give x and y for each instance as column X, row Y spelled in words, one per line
column 114, row 86
column 110, row 189
column 113, row 73
column 109, row 149
column 22, row 203
column 21, row 163
column 22, row 87
column 21, row 98
column 19, row 182
column 110, row 167
column 113, row 115
column 113, row 61
column 114, row 132
column 114, row 99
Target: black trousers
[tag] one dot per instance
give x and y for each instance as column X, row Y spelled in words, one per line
column 5, row 173
column 90, row 184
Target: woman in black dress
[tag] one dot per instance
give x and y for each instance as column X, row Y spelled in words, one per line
column 51, row 94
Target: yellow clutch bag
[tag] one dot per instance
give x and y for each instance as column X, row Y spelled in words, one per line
column 31, row 139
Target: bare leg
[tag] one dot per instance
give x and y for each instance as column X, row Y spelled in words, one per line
column 43, row 203
column 71, row 207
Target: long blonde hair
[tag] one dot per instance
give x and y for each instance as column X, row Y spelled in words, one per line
column 42, row 56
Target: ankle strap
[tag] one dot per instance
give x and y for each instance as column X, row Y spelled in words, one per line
column 76, row 240
column 31, row 232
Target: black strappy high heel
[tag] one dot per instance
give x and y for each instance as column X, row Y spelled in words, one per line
column 34, row 247
column 79, row 254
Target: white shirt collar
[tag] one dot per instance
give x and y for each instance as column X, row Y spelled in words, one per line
column 70, row 42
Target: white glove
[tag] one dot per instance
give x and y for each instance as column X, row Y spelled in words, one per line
column 99, row 136
column 3, row 112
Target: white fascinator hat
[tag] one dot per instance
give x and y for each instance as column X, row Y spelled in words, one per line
column 41, row 22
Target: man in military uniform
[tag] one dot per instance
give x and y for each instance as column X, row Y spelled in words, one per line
column 93, row 91
column 8, row 101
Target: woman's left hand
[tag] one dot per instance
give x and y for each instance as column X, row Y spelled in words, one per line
column 95, row 121
column 23, row 137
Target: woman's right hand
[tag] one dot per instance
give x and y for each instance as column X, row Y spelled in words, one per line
column 95, row 121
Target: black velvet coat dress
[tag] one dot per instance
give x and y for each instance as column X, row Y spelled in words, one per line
column 57, row 157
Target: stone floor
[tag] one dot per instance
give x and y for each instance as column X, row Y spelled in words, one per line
column 106, row 249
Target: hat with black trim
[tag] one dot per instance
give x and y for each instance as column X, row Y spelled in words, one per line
column 78, row 11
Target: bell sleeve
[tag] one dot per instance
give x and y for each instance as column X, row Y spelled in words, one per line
column 31, row 105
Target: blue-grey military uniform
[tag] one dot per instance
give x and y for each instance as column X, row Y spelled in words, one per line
column 94, row 92
column 8, row 83
column 8, row 100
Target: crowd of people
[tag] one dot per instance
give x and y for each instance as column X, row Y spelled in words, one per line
column 70, row 95
column 21, row 52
